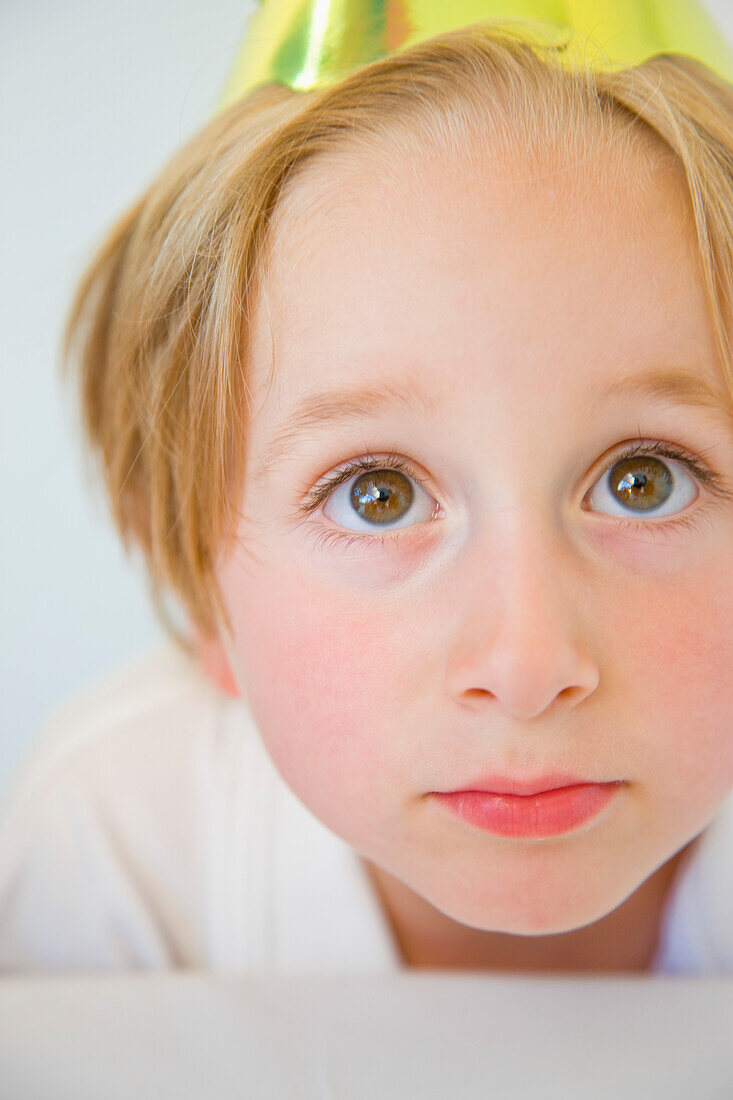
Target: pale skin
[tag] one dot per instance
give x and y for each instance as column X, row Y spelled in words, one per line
column 513, row 629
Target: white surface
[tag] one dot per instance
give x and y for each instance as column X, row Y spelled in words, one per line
column 428, row 1035
column 94, row 98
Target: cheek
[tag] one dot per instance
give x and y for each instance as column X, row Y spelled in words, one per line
column 674, row 665
column 320, row 670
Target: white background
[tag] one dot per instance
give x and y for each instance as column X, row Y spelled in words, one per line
column 94, row 97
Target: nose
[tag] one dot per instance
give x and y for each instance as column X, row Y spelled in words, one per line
column 519, row 613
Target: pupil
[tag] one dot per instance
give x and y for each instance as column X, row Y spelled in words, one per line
column 637, row 481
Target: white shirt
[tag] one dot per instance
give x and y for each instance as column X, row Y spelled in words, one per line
column 149, row 829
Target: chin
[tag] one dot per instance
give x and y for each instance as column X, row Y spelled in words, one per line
column 544, row 916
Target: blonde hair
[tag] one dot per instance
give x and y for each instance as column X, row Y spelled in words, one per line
column 157, row 332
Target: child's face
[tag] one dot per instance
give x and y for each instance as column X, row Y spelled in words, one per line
column 517, row 630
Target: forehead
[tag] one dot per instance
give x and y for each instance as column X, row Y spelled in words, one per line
column 370, row 256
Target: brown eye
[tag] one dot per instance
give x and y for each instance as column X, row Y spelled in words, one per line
column 381, row 496
column 642, row 484
column 372, row 492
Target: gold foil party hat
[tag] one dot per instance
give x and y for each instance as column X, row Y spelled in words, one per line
column 308, row 44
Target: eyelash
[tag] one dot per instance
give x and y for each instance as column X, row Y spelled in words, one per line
column 368, row 462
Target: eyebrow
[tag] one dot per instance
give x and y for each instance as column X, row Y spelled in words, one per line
column 334, row 406
column 407, row 395
column 673, row 384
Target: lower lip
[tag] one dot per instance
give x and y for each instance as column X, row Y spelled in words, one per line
column 550, row 813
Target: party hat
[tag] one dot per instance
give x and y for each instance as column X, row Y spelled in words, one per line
column 308, row 44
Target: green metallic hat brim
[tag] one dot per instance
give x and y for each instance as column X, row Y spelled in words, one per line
column 310, row 44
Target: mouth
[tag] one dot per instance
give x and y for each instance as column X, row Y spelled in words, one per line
column 548, row 813
column 498, row 784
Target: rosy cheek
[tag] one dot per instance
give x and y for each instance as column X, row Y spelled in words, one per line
column 319, row 672
column 692, row 634
column 670, row 649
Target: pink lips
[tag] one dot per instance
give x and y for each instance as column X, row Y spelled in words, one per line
column 550, row 813
column 497, row 784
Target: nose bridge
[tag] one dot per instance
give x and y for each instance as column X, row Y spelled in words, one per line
column 517, row 553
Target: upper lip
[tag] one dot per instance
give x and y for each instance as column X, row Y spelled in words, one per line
column 500, row 784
